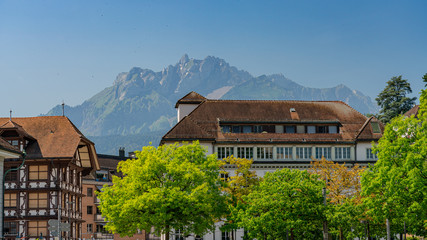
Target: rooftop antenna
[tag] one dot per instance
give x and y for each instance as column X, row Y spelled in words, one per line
column 10, row 115
column 63, row 108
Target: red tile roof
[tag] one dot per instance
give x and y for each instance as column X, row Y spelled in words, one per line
column 204, row 121
column 191, row 98
column 56, row 136
column 413, row 111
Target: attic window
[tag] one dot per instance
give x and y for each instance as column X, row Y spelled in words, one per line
column 292, row 110
column 375, row 127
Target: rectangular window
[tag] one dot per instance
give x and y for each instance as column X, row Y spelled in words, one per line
column 375, row 127
column 290, row 129
column 247, row 129
column 311, row 129
column 300, row 129
column 245, row 152
column 323, row 152
column 226, row 129
column 89, row 228
column 37, row 200
column 370, row 154
column 100, row 228
column 284, row 152
column 269, row 128
column 279, row 129
column 236, row 129
column 11, row 228
column 179, row 235
column 89, row 192
column 38, row 172
column 303, row 152
column 10, row 200
column 98, row 210
column 89, row 210
column 333, row 129
column 225, row 236
column 35, row 228
column 224, row 152
column 257, row 129
column 224, row 176
column 322, row 129
column 265, row 153
column 342, row 153
column 12, row 175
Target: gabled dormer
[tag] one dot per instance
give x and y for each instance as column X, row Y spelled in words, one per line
column 15, row 135
column 188, row 103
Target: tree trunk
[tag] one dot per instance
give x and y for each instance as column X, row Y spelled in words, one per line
column 341, row 234
column 325, row 231
column 388, row 229
column 367, row 231
column 292, row 234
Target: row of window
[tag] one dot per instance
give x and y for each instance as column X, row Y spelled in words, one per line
column 278, row 129
column 38, row 200
column 40, row 172
column 99, row 228
column 35, row 228
column 284, row 153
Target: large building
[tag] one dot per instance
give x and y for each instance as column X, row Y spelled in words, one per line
column 49, row 185
column 276, row 134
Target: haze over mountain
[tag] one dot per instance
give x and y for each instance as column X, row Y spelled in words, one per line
column 142, row 101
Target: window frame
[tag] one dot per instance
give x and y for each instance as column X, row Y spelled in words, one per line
column 35, row 201
column 40, row 175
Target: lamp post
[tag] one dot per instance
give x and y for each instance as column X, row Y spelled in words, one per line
column 24, row 154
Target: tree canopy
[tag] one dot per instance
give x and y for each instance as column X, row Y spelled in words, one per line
column 396, row 187
column 165, row 188
column 285, row 201
column 393, row 100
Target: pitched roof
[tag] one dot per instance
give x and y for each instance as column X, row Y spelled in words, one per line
column 4, row 145
column 191, row 98
column 366, row 132
column 205, row 120
column 55, row 136
column 413, row 111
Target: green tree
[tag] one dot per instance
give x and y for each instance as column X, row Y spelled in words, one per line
column 425, row 79
column 165, row 188
column 236, row 186
column 393, row 100
column 396, row 186
column 285, row 201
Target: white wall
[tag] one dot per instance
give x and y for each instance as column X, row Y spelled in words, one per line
column 185, row 109
column 361, row 151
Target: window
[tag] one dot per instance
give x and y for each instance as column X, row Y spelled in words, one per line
column 333, row 129
column 370, row 154
column 224, row 152
column 342, row 153
column 300, row 129
column 236, row 129
column 89, row 192
column 37, row 200
column 284, row 152
column 226, row 129
column 303, row 152
column 269, row 128
column 245, row 152
column 12, row 175
column 323, row 152
column 311, row 129
column 100, row 228
column 322, row 129
column 197, row 237
column 11, row 228
column 247, row 129
column 10, row 200
column 89, row 228
column 257, row 129
column 98, row 211
column 38, row 172
column 89, row 210
column 223, row 176
column 225, row 236
column 375, row 127
column 179, row 235
column 35, row 228
column 290, row 129
column 265, row 152
column 101, row 175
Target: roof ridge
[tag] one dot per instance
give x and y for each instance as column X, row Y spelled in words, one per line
column 273, row 100
column 363, row 127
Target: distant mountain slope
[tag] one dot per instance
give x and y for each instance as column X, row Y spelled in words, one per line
column 142, row 101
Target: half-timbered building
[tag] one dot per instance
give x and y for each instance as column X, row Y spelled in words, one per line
column 49, row 185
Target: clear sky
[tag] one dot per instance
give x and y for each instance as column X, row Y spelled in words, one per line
column 53, row 51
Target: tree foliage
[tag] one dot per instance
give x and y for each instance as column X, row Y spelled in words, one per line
column 239, row 184
column 396, row 187
column 393, row 100
column 344, row 209
column 285, row 201
column 425, row 79
column 169, row 187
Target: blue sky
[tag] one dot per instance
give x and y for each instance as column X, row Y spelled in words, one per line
column 54, row 51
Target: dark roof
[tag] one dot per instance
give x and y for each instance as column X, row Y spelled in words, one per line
column 191, row 98
column 413, row 111
column 55, row 136
column 204, row 121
